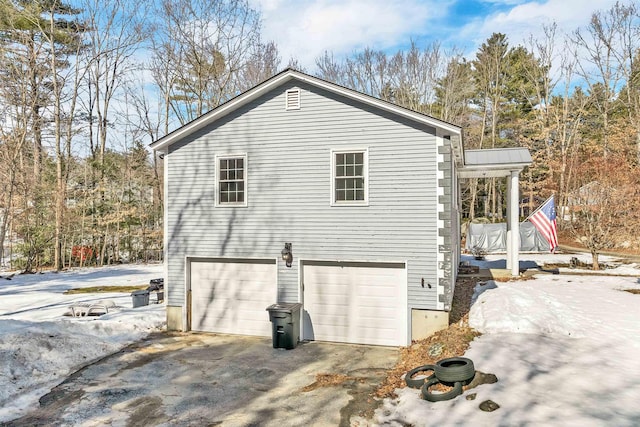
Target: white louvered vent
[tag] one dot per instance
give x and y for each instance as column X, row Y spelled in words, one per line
column 292, row 100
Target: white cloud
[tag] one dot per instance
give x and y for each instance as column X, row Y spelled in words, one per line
column 305, row 29
column 528, row 18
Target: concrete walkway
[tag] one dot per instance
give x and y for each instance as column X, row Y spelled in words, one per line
column 206, row 379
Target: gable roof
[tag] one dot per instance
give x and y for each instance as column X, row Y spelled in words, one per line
column 283, row 77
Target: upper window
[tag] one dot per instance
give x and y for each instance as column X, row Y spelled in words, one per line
column 349, row 180
column 231, row 180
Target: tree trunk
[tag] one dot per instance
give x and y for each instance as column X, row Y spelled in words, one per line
column 7, row 210
column 473, row 188
column 638, row 145
column 103, row 250
column 494, row 196
column 594, row 257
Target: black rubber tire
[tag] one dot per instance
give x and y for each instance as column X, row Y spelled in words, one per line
column 418, row 382
column 455, row 369
column 439, row 397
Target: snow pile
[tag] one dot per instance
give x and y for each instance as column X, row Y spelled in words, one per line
column 39, row 346
column 593, row 307
column 566, row 351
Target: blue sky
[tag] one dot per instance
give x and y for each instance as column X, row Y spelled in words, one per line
column 306, row 28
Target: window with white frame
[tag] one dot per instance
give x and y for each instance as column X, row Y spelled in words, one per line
column 349, row 180
column 231, row 180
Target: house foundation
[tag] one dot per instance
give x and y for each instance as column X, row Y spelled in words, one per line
column 427, row 322
column 174, row 318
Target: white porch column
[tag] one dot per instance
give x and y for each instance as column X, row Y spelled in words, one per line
column 509, row 223
column 513, row 258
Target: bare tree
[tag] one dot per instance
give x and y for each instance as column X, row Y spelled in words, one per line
column 65, row 83
column 263, row 63
column 406, row 78
column 13, row 137
column 38, row 38
column 164, row 76
column 605, row 204
column 415, row 76
column 489, row 71
column 566, row 113
column 625, row 18
column 558, row 112
column 116, row 29
column 25, row 97
column 202, row 51
column 454, row 91
column 329, row 68
column 146, row 123
column 600, row 67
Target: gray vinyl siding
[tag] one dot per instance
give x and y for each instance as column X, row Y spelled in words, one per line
column 289, row 182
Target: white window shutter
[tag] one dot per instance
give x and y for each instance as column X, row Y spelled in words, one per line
column 292, row 99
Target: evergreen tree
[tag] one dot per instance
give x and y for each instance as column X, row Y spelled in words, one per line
column 36, row 38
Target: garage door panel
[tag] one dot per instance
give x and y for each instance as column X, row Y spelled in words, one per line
column 375, row 313
column 229, row 326
column 231, row 312
column 377, row 291
column 227, row 300
column 330, row 288
column 330, row 304
column 230, row 296
column 335, row 318
column 357, row 303
column 375, row 301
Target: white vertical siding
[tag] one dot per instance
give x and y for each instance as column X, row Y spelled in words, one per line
column 289, row 191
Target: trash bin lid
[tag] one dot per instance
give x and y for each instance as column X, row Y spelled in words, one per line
column 140, row 292
column 285, row 307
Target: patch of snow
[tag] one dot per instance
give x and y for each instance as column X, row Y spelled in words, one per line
column 565, row 349
column 615, row 265
column 39, row 346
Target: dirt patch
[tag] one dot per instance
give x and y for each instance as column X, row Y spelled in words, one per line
column 105, row 289
column 633, row 291
column 329, row 380
column 450, row 342
column 462, row 299
column 362, row 403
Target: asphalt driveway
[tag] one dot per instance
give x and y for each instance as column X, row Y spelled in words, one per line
column 207, row 379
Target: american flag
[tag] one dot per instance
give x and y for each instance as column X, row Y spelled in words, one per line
column 544, row 219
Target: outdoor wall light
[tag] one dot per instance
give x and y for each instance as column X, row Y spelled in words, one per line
column 287, row 254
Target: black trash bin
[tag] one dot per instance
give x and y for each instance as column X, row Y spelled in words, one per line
column 156, row 286
column 285, row 322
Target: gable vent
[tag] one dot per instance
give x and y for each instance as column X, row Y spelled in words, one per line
column 292, row 99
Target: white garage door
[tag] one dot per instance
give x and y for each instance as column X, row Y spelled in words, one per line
column 362, row 303
column 231, row 296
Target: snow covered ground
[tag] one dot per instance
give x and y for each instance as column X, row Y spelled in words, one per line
column 39, row 346
column 565, row 349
